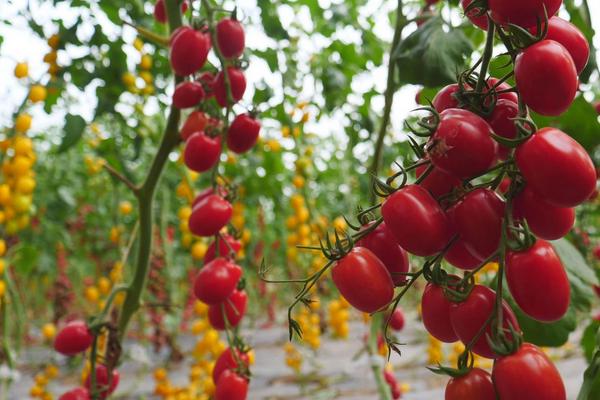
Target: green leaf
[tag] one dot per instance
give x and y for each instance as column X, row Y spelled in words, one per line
column 73, row 129
column 588, row 340
column 431, row 56
column 554, row 334
column 270, row 20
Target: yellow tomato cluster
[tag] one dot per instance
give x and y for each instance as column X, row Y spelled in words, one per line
column 458, row 348
column 310, row 323
column 293, row 357
column 301, row 231
column 51, row 57
column 339, row 314
column 2, row 268
column 97, row 293
column 435, row 351
column 93, row 164
column 40, row 383
column 129, row 79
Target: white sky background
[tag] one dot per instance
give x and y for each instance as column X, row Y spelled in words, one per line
column 20, row 44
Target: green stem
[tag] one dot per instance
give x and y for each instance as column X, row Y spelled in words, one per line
column 487, row 55
column 382, row 386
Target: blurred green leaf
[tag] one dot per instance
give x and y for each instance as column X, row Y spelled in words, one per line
column 73, row 130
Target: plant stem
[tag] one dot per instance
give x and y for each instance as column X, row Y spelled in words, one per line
column 487, row 55
column 382, row 386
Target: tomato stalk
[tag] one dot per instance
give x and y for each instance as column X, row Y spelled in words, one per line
column 487, row 56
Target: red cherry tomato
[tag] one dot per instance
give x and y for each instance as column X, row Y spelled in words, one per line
column 207, row 79
column 546, row 77
column 546, row 299
column 437, row 182
column 462, row 145
column 545, row 220
column 234, row 308
column 503, row 124
column 478, row 221
column 230, row 37
column 76, row 394
column 395, row 388
column 468, row 318
column 417, row 221
column 504, row 185
column 105, row 383
column 231, row 386
column 189, row 51
column 475, row 385
column 227, row 361
column 397, row 319
column 445, row 98
column 237, row 83
column 188, row 95
column 525, row 13
column 216, row 281
column 435, row 310
column 383, row 244
column 510, row 96
column 210, row 215
column 243, row 133
column 596, row 253
column 572, row 38
column 201, row 152
column 195, row 122
column 527, row 374
column 73, row 339
column 160, row 14
column 480, row 21
column 557, row 168
column 459, row 256
column 363, row 280
column 225, row 247
column 597, row 107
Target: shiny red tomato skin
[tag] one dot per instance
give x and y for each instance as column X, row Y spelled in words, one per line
column 468, row 317
column 224, row 248
column 397, row 319
column 76, row 394
column 459, row 256
column 510, row 96
column 445, row 99
column 475, row 385
column 230, row 38
column 201, row 152
column 546, row 77
column 523, row 13
column 243, row 133
column 235, row 309
column 462, row 145
column 363, row 280
column 73, row 339
column 478, row 221
column 210, row 215
column 527, row 374
column 227, row 361
column 195, row 122
column 437, row 182
column 502, row 122
column 231, row 386
column 557, row 168
column 417, row 221
column 545, row 220
column 538, row 282
column 189, row 51
column 188, row 95
column 105, row 384
column 572, row 39
column 383, row 244
column 160, row 13
column 237, row 82
column 480, row 21
column 216, row 281
column 435, row 311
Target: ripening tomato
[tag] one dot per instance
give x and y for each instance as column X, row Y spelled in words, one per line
column 231, row 386
column 105, row 383
column 202, row 152
column 545, row 220
column 557, row 168
column 417, row 221
column 243, row 133
column 475, row 385
column 230, row 37
column 480, row 21
column 503, row 124
column 527, row 374
column 216, row 281
column 397, row 319
column 189, row 51
column 478, row 221
column 160, row 13
column 234, row 308
column 74, row 338
column 237, row 83
column 435, row 311
column 437, row 182
column 225, row 247
column 468, row 318
column 363, row 280
column 572, row 38
column 195, row 122
column 538, row 282
column 227, row 361
column 383, row 244
column 395, row 388
column 525, row 13
column 546, row 77
column 459, row 256
column 210, row 215
column 462, row 145
column 188, row 95
column 446, row 98
column 76, row 394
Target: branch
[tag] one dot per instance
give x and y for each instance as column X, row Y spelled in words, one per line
column 116, row 174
